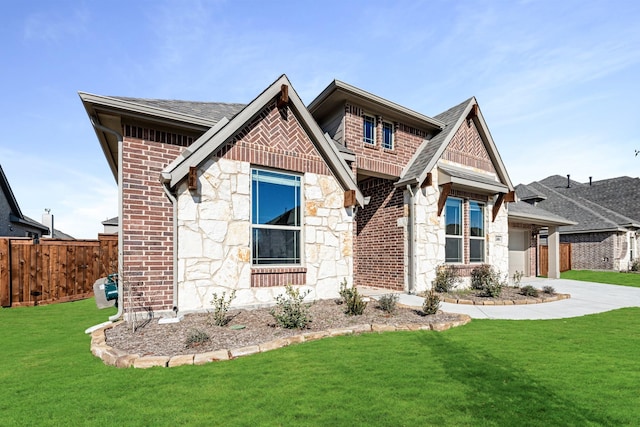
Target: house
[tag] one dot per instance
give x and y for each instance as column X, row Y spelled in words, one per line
column 217, row 197
column 605, row 216
column 110, row 225
column 12, row 222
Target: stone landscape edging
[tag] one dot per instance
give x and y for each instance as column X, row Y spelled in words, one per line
column 120, row 359
column 539, row 300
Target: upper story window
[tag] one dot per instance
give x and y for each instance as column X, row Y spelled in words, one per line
column 453, row 230
column 369, row 129
column 387, row 135
column 275, row 218
column 476, row 231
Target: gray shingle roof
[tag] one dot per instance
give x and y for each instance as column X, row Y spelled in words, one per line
column 525, row 192
column 429, row 150
column 566, row 202
column 535, row 214
column 621, row 195
column 207, row 110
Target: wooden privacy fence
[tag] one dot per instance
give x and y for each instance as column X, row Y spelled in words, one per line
column 565, row 258
column 53, row 270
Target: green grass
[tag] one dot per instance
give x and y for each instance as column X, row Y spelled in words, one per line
column 609, row 277
column 581, row 371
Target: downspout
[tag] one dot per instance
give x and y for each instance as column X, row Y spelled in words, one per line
column 165, row 179
column 118, row 136
column 411, row 267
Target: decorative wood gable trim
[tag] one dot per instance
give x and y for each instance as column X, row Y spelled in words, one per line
column 502, row 197
column 428, row 182
column 283, row 100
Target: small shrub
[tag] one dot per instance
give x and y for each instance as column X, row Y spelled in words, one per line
column 529, row 291
column 548, row 290
column 431, row 303
column 221, row 307
column 486, row 279
column 446, row 279
column 196, row 337
column 388, row 303
column 635, row 265
column 290, row 312
column 353, row 300
column 517, row 278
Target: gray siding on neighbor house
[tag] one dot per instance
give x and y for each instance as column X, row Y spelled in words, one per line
column 334, row 126
column 5, row 211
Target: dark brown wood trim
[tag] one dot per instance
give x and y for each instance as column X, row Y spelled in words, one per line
column 444, row 193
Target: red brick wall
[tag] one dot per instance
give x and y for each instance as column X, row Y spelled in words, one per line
column 591, row 251
column 380, row 242
column 375, row 158
column 466, row 148
column 147, row 223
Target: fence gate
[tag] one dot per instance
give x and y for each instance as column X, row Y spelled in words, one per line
column 565, row 259
column 53, row 270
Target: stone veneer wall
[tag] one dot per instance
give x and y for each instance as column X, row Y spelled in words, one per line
column 430, row 246
column 214, row 242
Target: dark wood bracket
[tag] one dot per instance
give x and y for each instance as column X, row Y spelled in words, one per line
column 284, row 96
column 192, row 180
column 444, row 193
column 349, row 198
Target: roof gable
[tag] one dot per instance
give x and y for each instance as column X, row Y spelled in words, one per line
column 15, row 214
column 222, row 134
column 431, row 151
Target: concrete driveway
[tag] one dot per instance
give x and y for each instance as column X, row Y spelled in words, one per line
column 586, row 298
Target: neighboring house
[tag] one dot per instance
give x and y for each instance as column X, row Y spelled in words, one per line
column 12, row 222
column 606, row 216
column 219, row 197
column 110, row 225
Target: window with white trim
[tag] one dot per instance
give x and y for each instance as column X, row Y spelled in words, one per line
column 275, row 218
column 476, row 231
column 387, row 135
column 453, row 230
column 369, row 129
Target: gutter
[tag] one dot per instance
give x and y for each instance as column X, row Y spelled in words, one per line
column 165, row 179
column 411, row 267
column 118, row 136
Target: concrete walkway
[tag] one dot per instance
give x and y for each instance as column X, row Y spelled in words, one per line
column 586, row 298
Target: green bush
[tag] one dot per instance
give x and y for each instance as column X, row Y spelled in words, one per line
column 446, row 278
column 486, row 279
column 635, row 265
column 353, row 300
column 517, row 277
column 388, row 303
column 548, row 290
column 221, row 307
column 196, row 337
column 290, row 312
column 431, row 303
column 529, row 291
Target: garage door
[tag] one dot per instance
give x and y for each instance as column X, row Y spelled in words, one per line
column 518, row 244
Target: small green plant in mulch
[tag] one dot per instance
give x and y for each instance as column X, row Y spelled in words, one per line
column 517, row 278
column 431, row 303
column 355, row 303
column 529, row 291
column 486, row 279
column 549, row 290
column 446, row 279
column 196, row 337
column 290, row 312
column 388, row 303
column 221, row 307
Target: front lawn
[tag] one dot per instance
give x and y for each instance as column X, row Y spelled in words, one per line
column 580, row 371
column 609, row 277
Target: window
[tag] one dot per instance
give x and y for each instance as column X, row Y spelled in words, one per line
column 476, row 232
column 453, row 230
column 387, row 136
column 275, row 218
column 369, row 130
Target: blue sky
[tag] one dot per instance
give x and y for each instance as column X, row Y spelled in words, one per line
column 557, row 81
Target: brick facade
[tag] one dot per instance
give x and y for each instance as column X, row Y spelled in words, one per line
column 374, row 158
column 592, row 251
column 379, row 240
column 466, row 148
column 147, row 224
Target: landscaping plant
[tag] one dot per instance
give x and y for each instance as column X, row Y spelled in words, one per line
column 431, row 303
column 446, row 279
column 290, row 312
column 221, row 307
column 196, row 337
column 486, row 279
column 529, row 291
column 550, row 290
column 388, row 303
column 353, row 300
column 517, row 277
